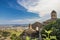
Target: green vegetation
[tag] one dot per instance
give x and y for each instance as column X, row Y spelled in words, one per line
column 11, row 34
column 51, row 31
column 5, row 34
column 27, row 38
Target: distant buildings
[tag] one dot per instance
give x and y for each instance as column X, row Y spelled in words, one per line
column 18, row 28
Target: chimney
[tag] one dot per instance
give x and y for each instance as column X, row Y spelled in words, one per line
column 30, row 26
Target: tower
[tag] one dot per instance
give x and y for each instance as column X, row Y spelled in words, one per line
column 30, row 26
column 53, row 15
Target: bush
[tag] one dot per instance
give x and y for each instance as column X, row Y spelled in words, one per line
column 5, row 34
column 51, row 31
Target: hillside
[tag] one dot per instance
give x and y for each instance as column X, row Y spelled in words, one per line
column 52, row 31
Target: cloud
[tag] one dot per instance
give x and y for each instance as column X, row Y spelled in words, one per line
column 23, row 21
column 41, row 7
column 20, row 21
column 26, row 21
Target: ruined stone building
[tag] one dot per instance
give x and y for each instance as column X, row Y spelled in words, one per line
column 38, row 25
column 34, row 28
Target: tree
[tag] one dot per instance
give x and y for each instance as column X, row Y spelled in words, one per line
column 13, row 37
column 5, row 34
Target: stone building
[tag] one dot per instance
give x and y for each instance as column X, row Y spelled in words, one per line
column 37, row 26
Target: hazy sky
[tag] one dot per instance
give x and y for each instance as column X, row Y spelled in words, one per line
column 27, row 11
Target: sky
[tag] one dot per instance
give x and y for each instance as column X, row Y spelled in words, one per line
column 27, row 11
